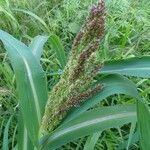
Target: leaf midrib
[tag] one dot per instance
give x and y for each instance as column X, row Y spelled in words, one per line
column 91, row 122
column 31, row 84
column 25, row 139
column 125, row 69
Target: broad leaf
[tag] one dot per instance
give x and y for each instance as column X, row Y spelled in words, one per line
column 139, row 67
column 88, row 123
column 31, row 83
column 113, row 84
column 23, row 140
column 37, row 44
column 143, row 114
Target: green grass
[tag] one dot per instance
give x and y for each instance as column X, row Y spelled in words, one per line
column 127, row 34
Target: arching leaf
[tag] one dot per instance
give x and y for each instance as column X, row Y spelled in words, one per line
column 89, row 122
column 136, row 66
column 31, row 83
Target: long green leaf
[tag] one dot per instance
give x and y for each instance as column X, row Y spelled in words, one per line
column 139, row 67
column 37, row 44
column 124, row 145
column 57, row 47
column 132, row 129
column 143, row 114
column 5, row 136
column 88, row 123
column 24, row 142
column 91, row 141
column 34, row 16
column 16, row 147
column 31, row 83
column 113, row 84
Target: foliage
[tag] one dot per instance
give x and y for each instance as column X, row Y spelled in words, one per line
column 31, row 84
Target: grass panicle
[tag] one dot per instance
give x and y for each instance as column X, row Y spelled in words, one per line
column 76, row 80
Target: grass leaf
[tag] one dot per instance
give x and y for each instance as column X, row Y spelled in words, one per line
column 91, row 141
column 33, row 16
column 24, row 142
column 37, row 44
column 113, row 84
column 134, row 139
column 139, row 67
column 132, row 129
column 143, row 115
column 57, row 47
column 90, row 122
column 5, row 136
column 31, row 83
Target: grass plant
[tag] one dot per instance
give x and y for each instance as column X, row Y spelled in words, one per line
column 125, row 41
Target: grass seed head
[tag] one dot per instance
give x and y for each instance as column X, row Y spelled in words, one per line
column 75, row 84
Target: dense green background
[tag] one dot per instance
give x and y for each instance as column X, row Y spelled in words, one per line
column 127, row 34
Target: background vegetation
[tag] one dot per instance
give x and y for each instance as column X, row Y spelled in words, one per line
column 127, row 34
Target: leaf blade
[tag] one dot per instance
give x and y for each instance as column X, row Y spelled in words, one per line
column 33, row 15
column 143, row 115
column 5, row 137
column 139, row 67
column 37, row 44
column 31, row 82
column 91, row 141
column 23, row 140
column 113, row 84
column 57, row 46
column 90, row 122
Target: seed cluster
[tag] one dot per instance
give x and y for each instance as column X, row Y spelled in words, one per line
column 75, row 85
column 74, row 101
